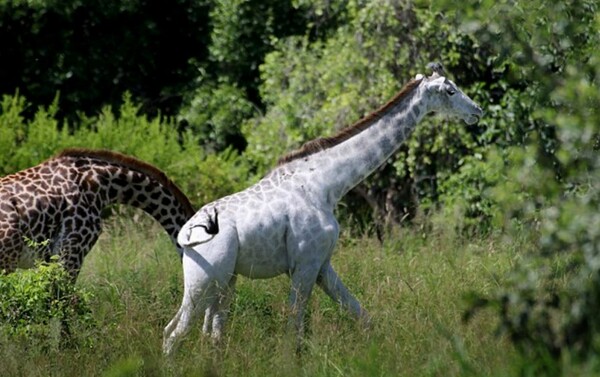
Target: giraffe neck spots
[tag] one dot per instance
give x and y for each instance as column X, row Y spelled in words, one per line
column 114, row 184
column 337, row 169
column 320, row 144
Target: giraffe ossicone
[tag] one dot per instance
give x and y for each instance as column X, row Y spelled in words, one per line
column 60, row 201
column 285, row 223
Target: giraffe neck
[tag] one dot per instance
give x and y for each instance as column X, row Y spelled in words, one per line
column 336, row 170
column 103, row 183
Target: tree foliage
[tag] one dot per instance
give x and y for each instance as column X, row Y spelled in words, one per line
column 32, row 300
column 549, row 185
column 203, row 176
column 93, row 51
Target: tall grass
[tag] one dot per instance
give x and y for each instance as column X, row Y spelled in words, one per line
column 413, row 285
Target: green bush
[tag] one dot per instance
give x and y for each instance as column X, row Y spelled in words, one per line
column 34, row 302
column 466, row 197
column 549, row 186
column 215, row 115
column 202, row 176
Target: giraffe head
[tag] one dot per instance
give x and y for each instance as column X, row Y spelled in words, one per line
column 446, row 98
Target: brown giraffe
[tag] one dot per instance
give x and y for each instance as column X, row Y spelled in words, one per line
column 57, row 205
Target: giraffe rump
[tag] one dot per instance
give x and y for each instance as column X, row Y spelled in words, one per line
column 322, row 143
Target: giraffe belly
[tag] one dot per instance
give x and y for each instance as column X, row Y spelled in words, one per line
column 261, row 234
column 261, row 262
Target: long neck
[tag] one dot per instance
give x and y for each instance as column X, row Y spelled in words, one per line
column 338, row 169
column 106, row 183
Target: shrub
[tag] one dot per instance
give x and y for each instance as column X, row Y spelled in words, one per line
column 202, row 176
column 549, row 188
column 215, row 113
column 466, row 196
column 34, row 301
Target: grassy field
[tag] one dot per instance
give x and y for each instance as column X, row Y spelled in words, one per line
column 414, row 287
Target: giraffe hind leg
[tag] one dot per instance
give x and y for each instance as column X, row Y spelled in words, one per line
column 194, row 303
column 209, row 314
column 207, row 270
column 222, row 310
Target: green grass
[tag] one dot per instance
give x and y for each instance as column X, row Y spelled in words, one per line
column 413, row 286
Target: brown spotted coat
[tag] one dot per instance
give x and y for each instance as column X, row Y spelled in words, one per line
column 54, row 208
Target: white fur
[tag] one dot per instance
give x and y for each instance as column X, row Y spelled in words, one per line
column 285, row 222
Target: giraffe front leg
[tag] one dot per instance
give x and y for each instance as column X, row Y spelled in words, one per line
column 76, row 241
column 12, row 246
column 12, row 242
column 332, row 285
column 303, row 281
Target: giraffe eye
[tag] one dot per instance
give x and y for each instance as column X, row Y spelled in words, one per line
column 450, row 91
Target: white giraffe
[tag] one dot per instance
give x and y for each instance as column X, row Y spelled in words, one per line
column 285, row 223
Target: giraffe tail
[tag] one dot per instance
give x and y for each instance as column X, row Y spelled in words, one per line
column 201, row 228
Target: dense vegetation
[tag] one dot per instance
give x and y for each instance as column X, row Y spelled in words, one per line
column 258, row 78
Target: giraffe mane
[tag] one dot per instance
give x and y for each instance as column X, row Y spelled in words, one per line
column 135, row 164
column 322, row 143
